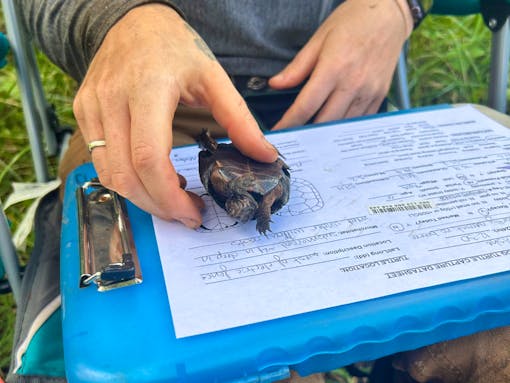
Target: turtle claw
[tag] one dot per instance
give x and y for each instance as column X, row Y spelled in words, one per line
column 264, row 230
column 263, row 225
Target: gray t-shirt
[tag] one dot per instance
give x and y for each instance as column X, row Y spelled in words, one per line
column 248, row 37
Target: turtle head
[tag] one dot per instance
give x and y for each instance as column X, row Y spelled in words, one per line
column 206, row 142
column 241, row 206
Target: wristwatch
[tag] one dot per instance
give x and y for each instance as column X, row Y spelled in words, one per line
column 419, row 9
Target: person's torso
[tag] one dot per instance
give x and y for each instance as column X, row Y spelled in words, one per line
column 256, row 37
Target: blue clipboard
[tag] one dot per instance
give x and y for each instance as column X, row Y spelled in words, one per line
column 127, row 334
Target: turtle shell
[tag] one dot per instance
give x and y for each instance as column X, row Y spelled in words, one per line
column 245, row 188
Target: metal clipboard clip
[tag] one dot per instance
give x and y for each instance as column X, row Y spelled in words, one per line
column 108, row 255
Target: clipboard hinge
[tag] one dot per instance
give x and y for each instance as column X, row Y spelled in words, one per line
column 108, row 255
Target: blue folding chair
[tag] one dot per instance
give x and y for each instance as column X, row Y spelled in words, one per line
column 4, row 49
column 9, row 261
column 42, row 341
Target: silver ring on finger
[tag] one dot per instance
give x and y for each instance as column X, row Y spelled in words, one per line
column 95, row 144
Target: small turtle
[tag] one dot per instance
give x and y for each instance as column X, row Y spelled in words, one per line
column 245, row 188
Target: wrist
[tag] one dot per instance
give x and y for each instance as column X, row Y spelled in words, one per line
column 418, row 10
column 406, row 15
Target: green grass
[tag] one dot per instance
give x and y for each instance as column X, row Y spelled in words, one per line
column 448, row 63
column 15, row 157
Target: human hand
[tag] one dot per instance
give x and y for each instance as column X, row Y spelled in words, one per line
column 348, row 63
column 149, row 61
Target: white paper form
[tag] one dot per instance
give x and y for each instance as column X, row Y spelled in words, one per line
column 377, row 207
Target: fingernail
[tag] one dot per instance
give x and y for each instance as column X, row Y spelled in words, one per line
column 190, row 222
column 272, row 148
column 269, row 145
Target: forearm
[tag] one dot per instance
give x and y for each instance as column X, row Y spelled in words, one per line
column 69, row 32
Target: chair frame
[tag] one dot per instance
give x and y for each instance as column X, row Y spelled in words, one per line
column 500, row 57
column 41, row 135
column 35, row 106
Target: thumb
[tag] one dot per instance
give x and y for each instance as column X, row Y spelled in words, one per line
column 298, row 69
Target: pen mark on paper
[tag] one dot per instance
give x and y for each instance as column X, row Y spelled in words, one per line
column 311, row 247
column 304, row 199
column 215, row 218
